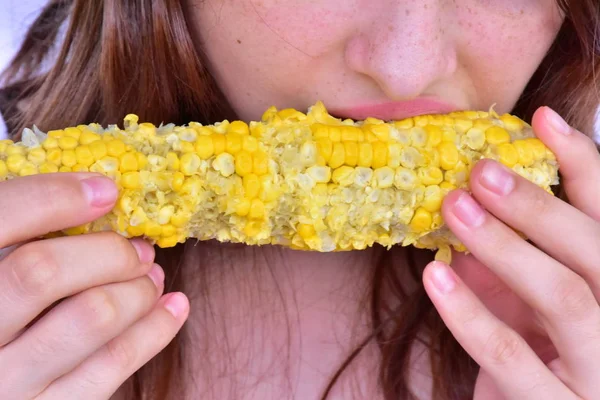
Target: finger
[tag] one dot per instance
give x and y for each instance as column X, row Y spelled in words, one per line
column 561, row 230
column 577, row 156
column 35, row 205
column 564, row 300
column 74, row 330
column 501, row 352
column 39, row 273
column 104, row 372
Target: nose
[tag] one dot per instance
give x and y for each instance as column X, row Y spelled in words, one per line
column 404, row 46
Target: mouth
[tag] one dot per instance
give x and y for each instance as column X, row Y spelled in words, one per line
column 394, row 111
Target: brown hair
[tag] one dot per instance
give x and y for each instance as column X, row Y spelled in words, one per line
column 120, row 56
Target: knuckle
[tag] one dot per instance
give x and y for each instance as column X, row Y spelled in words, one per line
column 34, row 269
column 98, row 309
column 122, row 354
column 122, row 249
column 572, row 299
column 503, row 346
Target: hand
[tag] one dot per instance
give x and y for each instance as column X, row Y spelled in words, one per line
column 79, row 314
column 559, row 280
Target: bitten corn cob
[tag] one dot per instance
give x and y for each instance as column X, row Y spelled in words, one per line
column 307, row 181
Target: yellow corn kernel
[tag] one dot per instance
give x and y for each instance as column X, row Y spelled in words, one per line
column 482, row 124
column 73, row 132
column 15, row 149
column 238, row 127
column 28, row 169
column 365, row 154
column 177, row 181
column 538, row 148
column 306, row 231
column 205, row 147
column 432, row 198
column 243, row 163
column 54, row 156
column 447, row 186
column 434, row 135
column 380, row 155
column 394, row 155
column 136, row 231
column 88, row 137
column 4, row 145
column 153, row 229
column 474, row 138
column 320, row 174
column 525, row 151
column 249, row 143
column 251, row 184
column 168, row 231
column 384, row 177
column 98, row 149
column 50, row 143
column 405, row 179
column 64, row 168
column 382, row 132
column 325, row 148
column 338, row 155
column 68, row 159
column 128, row 162
column 448, row 155
column 180, row 218
column 189, row 164
column 169, row 241
column 55, row 134
column 46, row 168
column 406, row 123
column 462, row 125
column 320, row 131
column 290, row 113
column 351, row 150
column 15, row 162
column 418, row 136
column 260, row 164
column 233, row 144
column 219, row 143
column 80, row 168
column 224, row 163
column 421, row 221
column 243, row 207
column 511, row 122
column 343, row 175
column 36, row 156
column 507, row 154
column 3, row 169
column 350, row 134
column 84, row 155
column 335, row 133
column 430, row 175
column 448, row 135
column 173, row 162
column 257, row 209
column 115, row 148
column 131, row 180
column 67, row 143
column 496, row 135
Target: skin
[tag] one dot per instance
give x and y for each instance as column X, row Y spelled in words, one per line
column 290, row 53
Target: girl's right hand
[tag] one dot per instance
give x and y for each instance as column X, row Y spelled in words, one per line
column 78, row 315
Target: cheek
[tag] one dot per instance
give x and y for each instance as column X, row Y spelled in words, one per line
column 503, row 44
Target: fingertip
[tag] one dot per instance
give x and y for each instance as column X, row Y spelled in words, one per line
column 439, row 276
column 99, row 191
column 177, row 304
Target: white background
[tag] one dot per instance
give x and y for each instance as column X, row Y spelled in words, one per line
column 15, row 16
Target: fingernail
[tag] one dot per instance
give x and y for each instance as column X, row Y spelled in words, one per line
column 468, row 211
column 157, row 275
column 497, row 178
column 557, row 122
column 441, row 277
column 100, row 191
column 145, row 250
column 176, row 304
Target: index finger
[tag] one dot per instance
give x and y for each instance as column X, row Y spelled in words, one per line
column 35, row 205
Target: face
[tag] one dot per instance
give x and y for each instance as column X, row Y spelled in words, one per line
column 382, row 58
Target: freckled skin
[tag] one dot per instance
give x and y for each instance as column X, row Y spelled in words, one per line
column 291, row 53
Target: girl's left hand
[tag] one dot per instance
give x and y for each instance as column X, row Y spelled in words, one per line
column 559, row 281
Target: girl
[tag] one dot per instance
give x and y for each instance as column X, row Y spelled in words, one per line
column 81, row 315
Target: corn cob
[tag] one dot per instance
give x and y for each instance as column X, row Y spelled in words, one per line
column 306, row 181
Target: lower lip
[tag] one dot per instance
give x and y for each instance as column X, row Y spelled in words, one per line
column 395, row 111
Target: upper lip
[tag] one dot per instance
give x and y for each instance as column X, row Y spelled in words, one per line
column 395, row 110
